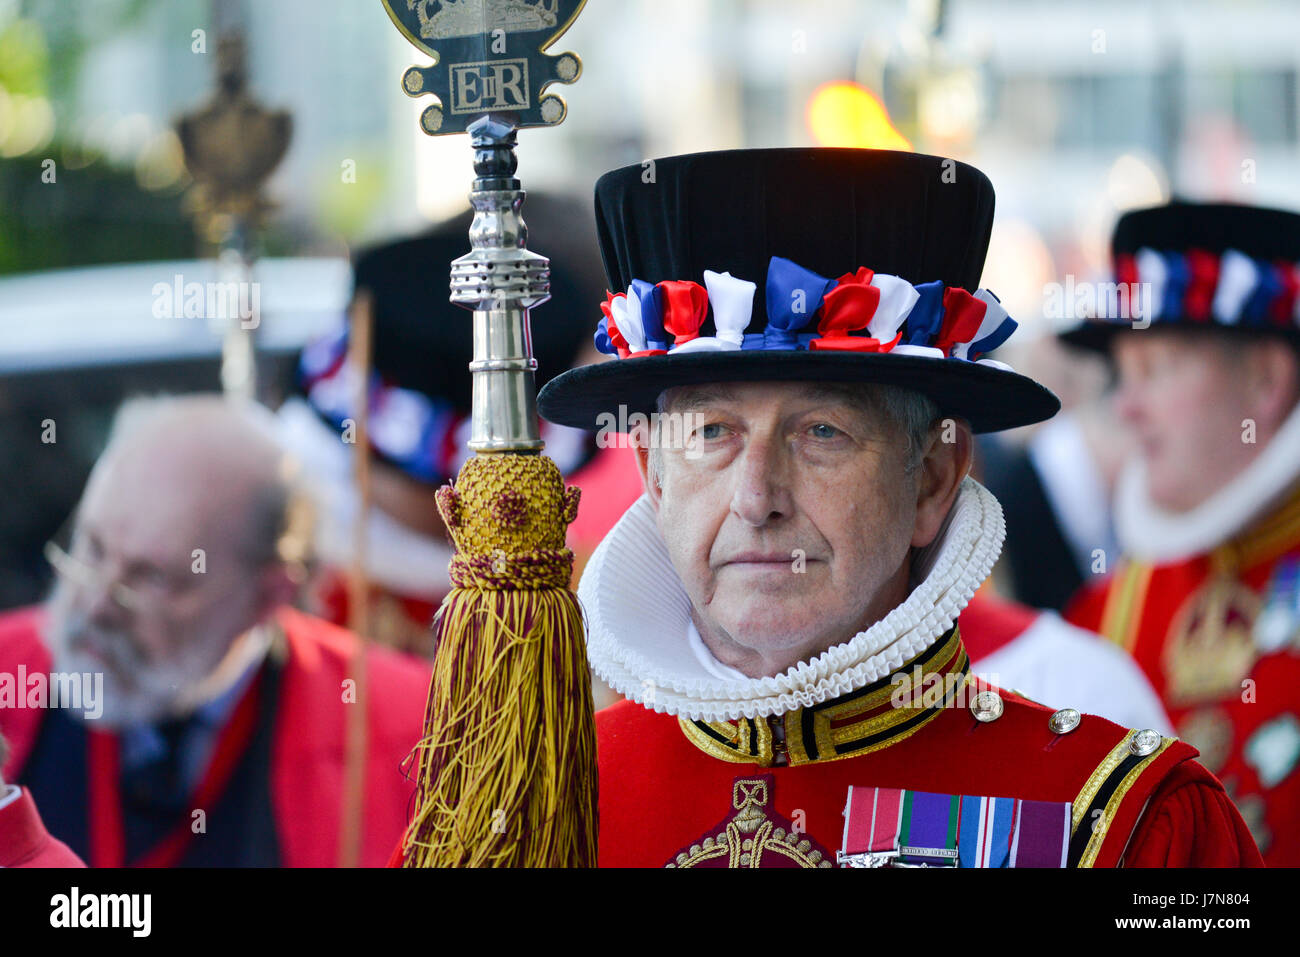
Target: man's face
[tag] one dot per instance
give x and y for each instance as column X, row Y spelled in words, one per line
column 152, row 615
column 1185, row 398
column 788, row 517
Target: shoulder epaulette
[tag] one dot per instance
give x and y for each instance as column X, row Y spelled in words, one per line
column 1111, row 801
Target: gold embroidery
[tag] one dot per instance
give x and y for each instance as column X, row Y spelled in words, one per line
column 1098, row 777
column 1112, row 806
column 750, row 834
column 1125, row 602
column 1272, row 535
column 945, row 674
column 1210, row 647
column 709, row 745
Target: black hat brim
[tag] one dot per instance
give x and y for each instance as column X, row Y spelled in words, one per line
column 1091, row 336
column 989, row 399
column 1099, row 337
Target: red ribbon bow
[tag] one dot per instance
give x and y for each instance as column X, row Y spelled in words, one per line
column 615, row 333
column 1203, row 277
column 1283, row 304
column 848, row 307
column 685, row 306
column 962, row 315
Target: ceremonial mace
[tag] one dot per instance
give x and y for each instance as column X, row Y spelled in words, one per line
column 507, row 765
column 232, row 145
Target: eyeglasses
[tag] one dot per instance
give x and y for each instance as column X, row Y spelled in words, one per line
column 67, row 554
column 77, row 572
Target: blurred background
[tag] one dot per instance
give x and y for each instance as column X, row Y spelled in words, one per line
column 1077, row 111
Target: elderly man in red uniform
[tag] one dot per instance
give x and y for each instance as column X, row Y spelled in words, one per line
column 782, row 609
column 1207, row 596
column 200, row 720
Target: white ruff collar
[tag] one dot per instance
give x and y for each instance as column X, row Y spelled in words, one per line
column 638, row 620
column 1150, row 533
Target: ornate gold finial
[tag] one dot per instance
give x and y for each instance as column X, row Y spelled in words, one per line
column 489, row 58
column 232, row 146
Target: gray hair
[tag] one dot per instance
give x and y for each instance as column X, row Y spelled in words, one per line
column 911, row 412
column 278, row 520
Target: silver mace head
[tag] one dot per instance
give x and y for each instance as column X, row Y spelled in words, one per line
column 500, row 280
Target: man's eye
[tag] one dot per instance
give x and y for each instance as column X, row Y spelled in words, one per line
column 149, row 575
column 714, row 430
column 823, row 431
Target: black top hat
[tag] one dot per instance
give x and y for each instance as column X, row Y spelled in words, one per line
column 1200, row 267
column 767, row 232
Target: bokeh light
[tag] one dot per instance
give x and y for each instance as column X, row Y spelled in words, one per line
column 849, row 115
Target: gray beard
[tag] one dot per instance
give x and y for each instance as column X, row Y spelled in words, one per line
column 151, row 693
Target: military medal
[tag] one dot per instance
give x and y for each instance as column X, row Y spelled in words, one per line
column 1273, row 750
column 1278, row 625
column 889, row 827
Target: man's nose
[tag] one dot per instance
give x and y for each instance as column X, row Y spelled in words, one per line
column 102, row 596
column 1129, row 401
column 762, row 493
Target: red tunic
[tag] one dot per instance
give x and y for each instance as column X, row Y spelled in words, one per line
column 666, row 784
column 309, row 753
column 1231, row 687
column 24, row 842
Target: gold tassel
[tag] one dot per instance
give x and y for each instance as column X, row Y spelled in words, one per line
column 507, row 765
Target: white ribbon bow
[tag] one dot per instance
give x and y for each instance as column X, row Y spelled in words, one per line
column 732, row 300
column 897, row 297
column 1237, row 279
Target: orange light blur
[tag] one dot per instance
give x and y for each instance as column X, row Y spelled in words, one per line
column 847, row 114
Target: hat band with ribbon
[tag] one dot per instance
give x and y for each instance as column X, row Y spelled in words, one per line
column 425, row 437
column 1194, row 286
column 859, row 312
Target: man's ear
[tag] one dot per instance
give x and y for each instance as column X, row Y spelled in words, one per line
column 946, row 463
column 1276, row 378
column 641, row 447
column 277, row 588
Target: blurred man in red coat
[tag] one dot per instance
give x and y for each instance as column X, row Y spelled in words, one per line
column 167, row 706
column 1207, row 596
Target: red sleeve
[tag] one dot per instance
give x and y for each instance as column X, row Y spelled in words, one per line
column 1190, row 822
column 395, row 859
column 1085, row 608
column 21, row 646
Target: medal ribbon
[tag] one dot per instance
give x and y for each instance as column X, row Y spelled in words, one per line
column 979, row 831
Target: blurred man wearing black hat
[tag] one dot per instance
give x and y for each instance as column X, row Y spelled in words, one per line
column 781, row 607
column 1207, row 597
column 419, row 418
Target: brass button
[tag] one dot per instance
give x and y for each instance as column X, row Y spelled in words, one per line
column 1064, row 721
column 1145, row 743
column 987, row 706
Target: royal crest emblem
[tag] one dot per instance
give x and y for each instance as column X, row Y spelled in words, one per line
column 753, row 835
column 489, row 59
column 1211, row 648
